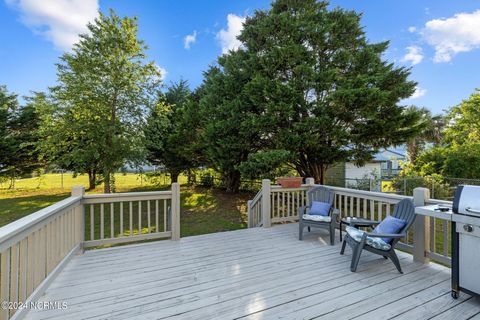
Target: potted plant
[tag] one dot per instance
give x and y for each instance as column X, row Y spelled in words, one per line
column 290, row 182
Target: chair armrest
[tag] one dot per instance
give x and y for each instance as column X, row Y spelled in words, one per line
column 386, row 235
column 335, row 213
column 302, row 210
column 374, row 223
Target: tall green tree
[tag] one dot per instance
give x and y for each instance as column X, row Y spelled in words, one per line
column 105, row 87
column 325, row 91
column 230, row 119
column 167, row 137
column 18, row 137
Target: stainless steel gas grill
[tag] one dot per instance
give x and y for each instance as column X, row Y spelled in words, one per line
column 466, row 241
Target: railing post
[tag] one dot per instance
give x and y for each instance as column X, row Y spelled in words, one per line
column 266, row 203
column 79, row 191
column 175, row 211
column 310, row 182
column 249, row 213
column 421, row 227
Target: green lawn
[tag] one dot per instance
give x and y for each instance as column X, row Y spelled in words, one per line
column 202, row 210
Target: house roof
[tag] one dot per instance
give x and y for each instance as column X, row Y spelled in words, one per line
column 390, row 154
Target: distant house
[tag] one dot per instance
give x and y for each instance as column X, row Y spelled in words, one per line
column 384, row 166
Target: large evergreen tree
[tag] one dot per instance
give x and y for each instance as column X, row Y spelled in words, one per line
column 18, row 137
column 105, row 87
column 229, row 119
column 167, row 137
column 326, row 93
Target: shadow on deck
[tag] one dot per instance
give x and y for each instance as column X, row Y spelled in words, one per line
column 255, row 273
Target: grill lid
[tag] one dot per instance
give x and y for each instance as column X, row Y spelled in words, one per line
column 467, row 200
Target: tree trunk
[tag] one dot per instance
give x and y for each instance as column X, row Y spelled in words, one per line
column 313, row 170
column 174, row 176
column 106, row 182
column 92, row 179
column 232, row 181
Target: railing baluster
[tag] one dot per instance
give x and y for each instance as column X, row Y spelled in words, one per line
column 445, row 237
column 112, row 217
column 5, row 280
column 23, row 276
column 92, row 222
column 148, row 215
column 380, row 209
column 102, row 221
column 139, row 217
column 164, row 215
column 433, row 247
column 372, row 209
column 157, row 229
column 121, row 219
column 131, row 218
column 14, row 266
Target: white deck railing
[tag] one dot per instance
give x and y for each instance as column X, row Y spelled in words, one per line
column 34, row 249
column 427, row 239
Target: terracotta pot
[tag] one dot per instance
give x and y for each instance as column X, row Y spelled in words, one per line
column 290, row 182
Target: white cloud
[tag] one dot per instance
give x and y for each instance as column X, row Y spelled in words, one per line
column 59, row 21
column 460, row 33
column 228, row 38
column 190, row 39
column 412, row 29
column 419, row 92
column 163, row 72
column 414, row 55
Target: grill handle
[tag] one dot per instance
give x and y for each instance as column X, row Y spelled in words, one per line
column 472, row 210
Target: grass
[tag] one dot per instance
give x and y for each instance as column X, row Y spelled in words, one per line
column 202, row 210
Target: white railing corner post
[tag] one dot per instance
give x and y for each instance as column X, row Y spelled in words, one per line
column 79, row 191
column 249, row 213
column 175, row 211
column 266, row 214
column 310, row 182
column 421, row 227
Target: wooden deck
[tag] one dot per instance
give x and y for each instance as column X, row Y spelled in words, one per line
column 255, row 273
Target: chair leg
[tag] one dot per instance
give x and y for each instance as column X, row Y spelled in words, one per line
column 357, row 252
column 344, row 244
column 396, row 262
column 332, row 234
column 300, row 231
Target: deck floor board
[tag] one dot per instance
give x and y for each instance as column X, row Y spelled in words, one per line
column 255, row 273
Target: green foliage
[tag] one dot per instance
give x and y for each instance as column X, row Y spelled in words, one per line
column 431, row 132
column 325, row 92
column 464, row 124
column 168, row 138
column 266, row 164
column 459, row 154
column 439, row 188
column 18, row 135
column 98, row 108
column 463, row 161
column 206, row 179
column 229, row 119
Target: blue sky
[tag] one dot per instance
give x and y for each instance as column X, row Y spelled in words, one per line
column 440, row 40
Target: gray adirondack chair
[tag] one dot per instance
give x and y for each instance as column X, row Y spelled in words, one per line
column 322, row 194
column 404, row 210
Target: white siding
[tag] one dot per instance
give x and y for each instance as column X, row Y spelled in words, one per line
column 354, row 172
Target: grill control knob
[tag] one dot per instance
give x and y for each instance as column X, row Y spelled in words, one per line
column 468, row 227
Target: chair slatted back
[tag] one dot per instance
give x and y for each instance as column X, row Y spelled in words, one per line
column 404, row 210
column 322, row 194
